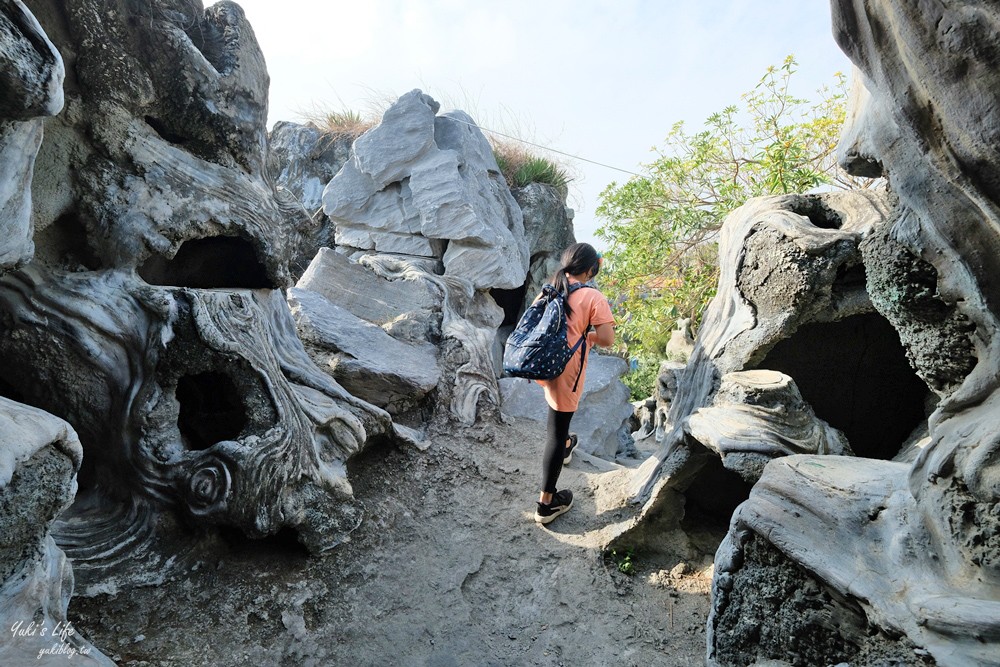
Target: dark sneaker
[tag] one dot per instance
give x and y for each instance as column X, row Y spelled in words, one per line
column 570, row 448
column 561, row 502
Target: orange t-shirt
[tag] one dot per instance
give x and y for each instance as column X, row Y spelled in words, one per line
column 590, row 308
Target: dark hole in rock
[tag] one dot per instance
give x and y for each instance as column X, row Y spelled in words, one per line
column 850, row 277
column 210, row 409
column 713, row 496
column 165, row 132
column 855, row 375
column 284, row 543
column 7, row 390
column 216, row 261
column 64, row 243
column 819, row 214
column 511, row 300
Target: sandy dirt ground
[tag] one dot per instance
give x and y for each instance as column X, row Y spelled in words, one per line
column 448, row 569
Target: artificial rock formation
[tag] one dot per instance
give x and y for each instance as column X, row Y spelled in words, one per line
column 39, row 458
column 912, row 547
column 201, row 400
column 548, row 227
column 759, row 415
column 151, row 317
column 431, row 247
column 428, row 187
column 39, row 453
column 301, row 160
column 792, row 299
column 431, row 332
column 651, row 416
column 30, row 88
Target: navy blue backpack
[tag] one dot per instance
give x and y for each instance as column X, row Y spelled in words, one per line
column 538, row 349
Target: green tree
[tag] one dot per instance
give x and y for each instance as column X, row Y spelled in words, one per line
column 661, row 228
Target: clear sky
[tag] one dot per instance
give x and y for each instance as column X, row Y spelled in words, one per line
column 598, row 79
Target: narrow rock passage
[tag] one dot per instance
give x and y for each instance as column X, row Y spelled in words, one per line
column 448, row 568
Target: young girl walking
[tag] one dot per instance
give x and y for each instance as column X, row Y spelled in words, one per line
column 586, row 307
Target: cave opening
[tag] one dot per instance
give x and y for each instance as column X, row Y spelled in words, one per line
column 512, row 302
column 855, row 375
column 713, row 496
column 206, row 263
column 211, row 409
column 164, row 131
column 9, row 391
column 65, row 243
column 819, row 213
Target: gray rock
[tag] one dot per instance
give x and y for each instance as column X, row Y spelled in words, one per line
column 418, row 307
column 177, row 395
column 428, row 186
column 31, row 79
column 161, row 147
column 408, row 308
column 469, row 322
column 303, row 159
column 548, row 227
column 363, row 357
column 602, row 420
column 39, row 458
column 789, row 280
column 681, row 343
column 911, row 545
column 548, row 222
column 759, row 415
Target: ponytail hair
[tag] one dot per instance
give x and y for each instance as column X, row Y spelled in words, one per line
column 577, row 259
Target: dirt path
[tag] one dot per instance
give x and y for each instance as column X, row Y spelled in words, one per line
column 448, row 569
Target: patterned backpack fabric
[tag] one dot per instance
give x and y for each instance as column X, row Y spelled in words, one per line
column 538, row 349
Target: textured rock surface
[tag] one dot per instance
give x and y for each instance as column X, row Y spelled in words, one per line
column 423, row 312
column 913, row 545
column 428, row 186
column 654, row 423
column 157, row 162
column 202, row 401
column 409, row 309
column 149, row 319
column 681, row 343
column 792, row 298
column 548, row 227
column 39, row 454
column 39, row 458
column 937, row 337
column 756, row 416
column 31, row 78
column 369, row 362
column 603, row 420
column 302, row 159
column 767, row 607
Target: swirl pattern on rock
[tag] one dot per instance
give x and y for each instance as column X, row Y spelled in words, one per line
column 150, row 318
column 202, row 400
column 428, row 186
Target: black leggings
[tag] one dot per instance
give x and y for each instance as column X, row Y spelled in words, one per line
column 557, row 433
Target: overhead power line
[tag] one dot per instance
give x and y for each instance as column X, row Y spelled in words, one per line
column 545, row 148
